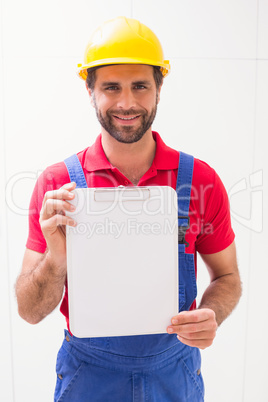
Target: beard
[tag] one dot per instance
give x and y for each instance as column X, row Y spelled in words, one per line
column 126, row 134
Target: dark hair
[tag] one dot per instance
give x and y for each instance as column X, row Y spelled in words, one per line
column 91, row 76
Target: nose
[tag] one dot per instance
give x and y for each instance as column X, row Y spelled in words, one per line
column 126, row 99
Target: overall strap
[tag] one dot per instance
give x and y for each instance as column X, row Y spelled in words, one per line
column 183, row 190
column 75, row 171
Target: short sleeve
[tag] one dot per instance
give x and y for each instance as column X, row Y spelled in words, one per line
column 51, row 179
column 217, row 233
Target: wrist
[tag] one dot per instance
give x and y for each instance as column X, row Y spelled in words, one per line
column 57, row 264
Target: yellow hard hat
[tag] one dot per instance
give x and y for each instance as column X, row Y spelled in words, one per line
column 123, row 41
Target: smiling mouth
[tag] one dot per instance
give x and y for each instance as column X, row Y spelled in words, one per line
column 127, row 118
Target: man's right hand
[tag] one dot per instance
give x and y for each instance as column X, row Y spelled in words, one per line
column 53, row 222
column 40, row 285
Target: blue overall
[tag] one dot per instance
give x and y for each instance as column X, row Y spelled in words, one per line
column 155, row 368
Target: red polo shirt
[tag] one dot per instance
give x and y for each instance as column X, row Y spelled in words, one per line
column 210, row 224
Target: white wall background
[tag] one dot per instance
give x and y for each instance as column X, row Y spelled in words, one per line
column 214, row 105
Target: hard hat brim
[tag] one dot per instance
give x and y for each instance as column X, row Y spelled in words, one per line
column 82, row 70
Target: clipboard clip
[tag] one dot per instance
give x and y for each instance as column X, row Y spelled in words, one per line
column 182, row 228
column 121, row 194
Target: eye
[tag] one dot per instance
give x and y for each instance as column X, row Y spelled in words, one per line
column 140, row 86
column 112, row 88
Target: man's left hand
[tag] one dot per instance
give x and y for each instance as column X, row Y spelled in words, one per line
column 196, row 328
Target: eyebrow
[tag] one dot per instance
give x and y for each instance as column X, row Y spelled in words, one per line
column 109, row 83
column 142, row 82
column 112, row 83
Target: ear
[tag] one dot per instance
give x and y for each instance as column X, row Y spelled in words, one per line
column 158, row 93
column 90, row 96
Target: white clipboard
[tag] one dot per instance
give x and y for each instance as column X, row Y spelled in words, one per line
column 122, row 261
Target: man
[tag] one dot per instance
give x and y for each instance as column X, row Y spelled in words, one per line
column 124, row 69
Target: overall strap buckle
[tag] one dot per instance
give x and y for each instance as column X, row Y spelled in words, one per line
column 183, row 190
column 182, row 228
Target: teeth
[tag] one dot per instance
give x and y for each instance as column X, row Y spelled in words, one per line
column 126, row 118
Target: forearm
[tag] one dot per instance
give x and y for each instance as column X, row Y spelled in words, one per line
column 222, row 295
column 40, row 290
column 197, row 328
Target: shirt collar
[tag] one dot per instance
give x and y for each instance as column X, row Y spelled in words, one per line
column 165, row 158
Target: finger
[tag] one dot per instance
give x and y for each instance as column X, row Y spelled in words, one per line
column 200, row 343
column 198, row 335
column 69, row 186
column 192, row 327
column 50, row 226
column 193, row 316
column 63, row 193
column 208, row 325
column 52, row 206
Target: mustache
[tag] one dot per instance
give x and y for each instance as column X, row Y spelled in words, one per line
column 129, row 112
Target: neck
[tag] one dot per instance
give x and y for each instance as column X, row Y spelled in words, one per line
column 133, row 160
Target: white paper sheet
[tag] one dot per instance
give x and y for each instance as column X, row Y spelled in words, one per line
column 122, row 261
